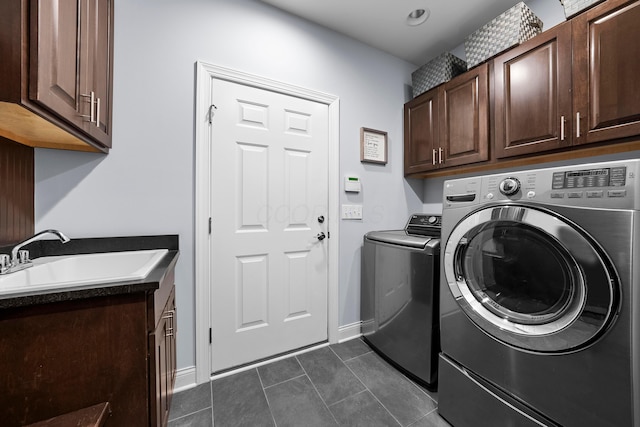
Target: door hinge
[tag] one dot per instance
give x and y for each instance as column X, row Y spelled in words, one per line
column 210, row 336
column 328, row 234
column 209, row 225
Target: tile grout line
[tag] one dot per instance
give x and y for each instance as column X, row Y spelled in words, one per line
column 213, row 422
column 349, row 397
column 372, row 393
column 422, row 390
column 264, row 392
column 282, row 382
column 317, row 392
column 189, row 414
column 194, row 411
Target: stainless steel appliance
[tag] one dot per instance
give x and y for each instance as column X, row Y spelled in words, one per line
column 399, row 296
column 540, row 298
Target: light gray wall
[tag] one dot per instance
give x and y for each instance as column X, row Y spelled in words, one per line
column 146, row 184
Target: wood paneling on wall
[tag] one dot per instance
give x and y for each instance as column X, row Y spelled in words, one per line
column 16, row 192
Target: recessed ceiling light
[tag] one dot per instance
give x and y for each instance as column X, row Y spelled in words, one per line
column 418, row 16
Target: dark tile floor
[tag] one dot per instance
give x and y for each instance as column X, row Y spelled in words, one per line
column 344, row 384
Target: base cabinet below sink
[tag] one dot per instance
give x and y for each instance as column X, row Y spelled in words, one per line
column 63, row 356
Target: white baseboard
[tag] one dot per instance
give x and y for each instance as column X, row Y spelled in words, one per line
column 349, row 332
column 185, row 379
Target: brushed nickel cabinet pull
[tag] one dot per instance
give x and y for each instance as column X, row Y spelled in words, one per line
column 562, row 121
column 98, row 113
column 578, row 124
column 169, row 315
column 92, row 101
column 433, row 156
column 440, row 155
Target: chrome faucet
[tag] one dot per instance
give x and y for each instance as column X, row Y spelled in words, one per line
column 20, row 258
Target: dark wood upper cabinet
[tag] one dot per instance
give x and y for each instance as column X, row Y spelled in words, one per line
column 99, row 68
column 464, row 118
column 572, row 85
column 606, row 70
column 448, row 125
column 55, row 90
column 421, row 133
column 532, row 95
column 54, row 64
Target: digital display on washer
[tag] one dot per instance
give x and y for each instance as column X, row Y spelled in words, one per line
column 603, row 177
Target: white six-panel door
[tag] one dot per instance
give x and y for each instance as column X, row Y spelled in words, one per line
column 269, row 190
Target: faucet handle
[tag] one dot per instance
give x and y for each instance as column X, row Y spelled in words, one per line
column 5, row 262
column 23, row 256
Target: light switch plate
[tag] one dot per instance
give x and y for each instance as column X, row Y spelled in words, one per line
column 351, row 211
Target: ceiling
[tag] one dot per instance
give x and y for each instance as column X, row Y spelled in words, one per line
column 382, row 23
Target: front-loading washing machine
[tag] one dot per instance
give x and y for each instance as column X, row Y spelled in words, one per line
column 540, row 298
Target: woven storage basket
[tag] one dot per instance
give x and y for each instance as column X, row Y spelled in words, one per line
column 441, row 69
column 573, row 7
column 511, row 28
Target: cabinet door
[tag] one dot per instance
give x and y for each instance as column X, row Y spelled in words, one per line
column 606, row 68
column 533, row 95
column 158, row 341
column 96, row 66
column 421, row 133
column 464, row 118
column 163, row 343
column 171, row 349
column 54, row 61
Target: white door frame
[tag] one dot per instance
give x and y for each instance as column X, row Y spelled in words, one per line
column 205, row 73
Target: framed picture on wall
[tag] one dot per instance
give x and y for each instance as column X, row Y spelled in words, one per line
column 373, row 146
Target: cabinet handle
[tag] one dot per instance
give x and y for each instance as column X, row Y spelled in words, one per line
column 433, row 157
column 98, row 113
column 170, row 315
column 562, row 121
column 440, row 155
column 92, row 101
column 578, row 124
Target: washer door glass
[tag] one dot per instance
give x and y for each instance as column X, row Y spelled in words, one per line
column 502, row 263
column 520, row 274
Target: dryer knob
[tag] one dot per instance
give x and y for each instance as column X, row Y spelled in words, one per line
column 509, row 186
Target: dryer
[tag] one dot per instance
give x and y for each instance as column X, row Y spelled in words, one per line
column 540, row 298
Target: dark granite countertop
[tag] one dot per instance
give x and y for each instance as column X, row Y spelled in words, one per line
column 43, row 248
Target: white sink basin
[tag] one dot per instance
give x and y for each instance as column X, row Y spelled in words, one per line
column 59, row 272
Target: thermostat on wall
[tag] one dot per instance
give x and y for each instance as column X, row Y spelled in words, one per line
column 352, row 184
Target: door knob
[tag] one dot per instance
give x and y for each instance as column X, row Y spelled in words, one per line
column 320, row 236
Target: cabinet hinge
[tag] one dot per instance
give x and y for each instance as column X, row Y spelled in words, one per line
column 210, row 336
column 209, row 225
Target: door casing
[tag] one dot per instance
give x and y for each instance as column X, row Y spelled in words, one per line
column 205, row 73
